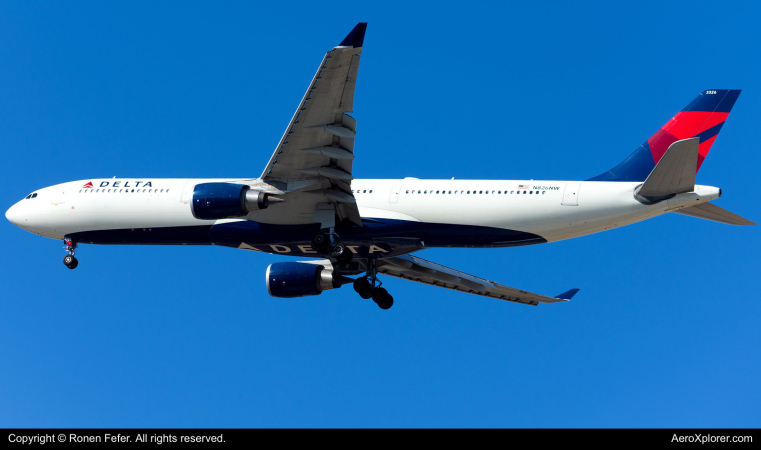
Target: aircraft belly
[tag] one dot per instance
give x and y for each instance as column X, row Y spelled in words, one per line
column 378, row 237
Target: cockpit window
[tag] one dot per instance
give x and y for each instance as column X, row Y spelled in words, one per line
column 28, row 196
column 34, row 195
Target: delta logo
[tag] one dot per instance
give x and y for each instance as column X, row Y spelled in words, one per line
column 116, row 184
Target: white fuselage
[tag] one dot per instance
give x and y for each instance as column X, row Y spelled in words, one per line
column 554, row 210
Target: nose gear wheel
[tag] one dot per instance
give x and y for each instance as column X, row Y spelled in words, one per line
column 69, row 260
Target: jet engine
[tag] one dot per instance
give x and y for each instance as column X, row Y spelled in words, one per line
column 294, row 279
column 227, row 200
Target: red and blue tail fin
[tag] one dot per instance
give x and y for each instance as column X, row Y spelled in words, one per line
column 702, row 118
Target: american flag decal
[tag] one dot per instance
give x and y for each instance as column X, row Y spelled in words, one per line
column 523, row 186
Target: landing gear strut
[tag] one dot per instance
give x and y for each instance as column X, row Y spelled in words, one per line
column 69, row 260
column 366, row 288
column 327, row 242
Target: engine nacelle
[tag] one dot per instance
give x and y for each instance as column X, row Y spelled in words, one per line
column 293, row 279
column 227, row 200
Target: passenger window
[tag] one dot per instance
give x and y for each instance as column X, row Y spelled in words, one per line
column 544, row 192
column 468, row 192
column 480, row 192
column 530, row 192
column 450, row 192
column 492, row 192
column 524, row 192
column 407, row 192
column 418, row 191
column 371, row 191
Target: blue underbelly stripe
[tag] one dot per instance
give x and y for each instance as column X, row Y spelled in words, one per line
column 389, row 237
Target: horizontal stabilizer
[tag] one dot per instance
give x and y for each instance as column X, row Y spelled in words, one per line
column 674, row 173
column 709, row 211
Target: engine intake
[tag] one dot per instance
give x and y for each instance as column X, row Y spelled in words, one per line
column 227, row 200
column 293, row 279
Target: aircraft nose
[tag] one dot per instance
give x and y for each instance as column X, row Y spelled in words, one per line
column 14, row 215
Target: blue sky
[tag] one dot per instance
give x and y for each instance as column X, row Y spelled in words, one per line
column 663, row 333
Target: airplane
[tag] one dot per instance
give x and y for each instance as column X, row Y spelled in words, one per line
column 307, row 202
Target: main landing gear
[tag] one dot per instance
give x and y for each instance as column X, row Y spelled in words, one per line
column 366, row 288
column 328, row 243
column 69, row 260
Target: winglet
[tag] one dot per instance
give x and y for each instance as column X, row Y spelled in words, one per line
column 356, row 37
column 567, row 295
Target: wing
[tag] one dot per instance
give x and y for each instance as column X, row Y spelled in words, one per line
column 417, row 269
column 312, row 164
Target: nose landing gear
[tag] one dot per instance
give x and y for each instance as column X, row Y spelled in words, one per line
column 69, row 260
column 366, row 288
